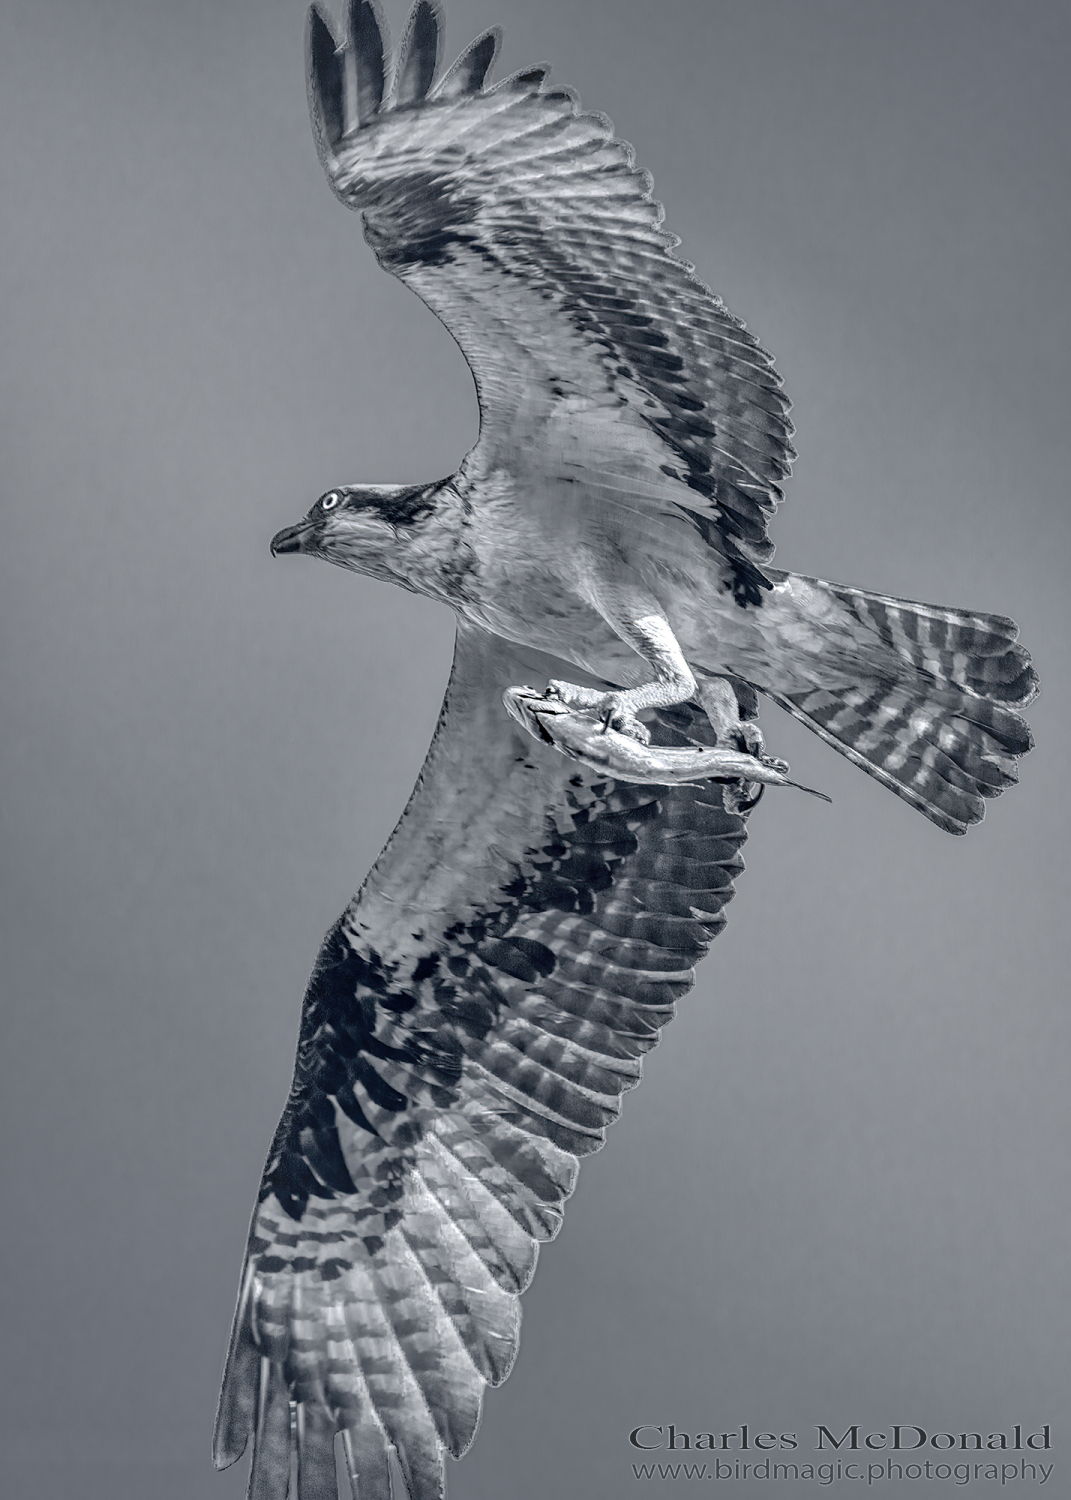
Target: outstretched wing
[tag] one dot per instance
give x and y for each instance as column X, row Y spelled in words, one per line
column 525, row 226
column 470, row 1026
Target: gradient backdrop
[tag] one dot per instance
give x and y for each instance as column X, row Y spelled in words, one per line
column 840, row 1195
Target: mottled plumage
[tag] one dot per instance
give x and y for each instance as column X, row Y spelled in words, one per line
column 477, row 1012
column 470, row 1026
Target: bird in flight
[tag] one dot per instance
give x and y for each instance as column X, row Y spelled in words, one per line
column 475, row 1015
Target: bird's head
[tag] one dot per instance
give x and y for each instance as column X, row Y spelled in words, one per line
column 360, row 527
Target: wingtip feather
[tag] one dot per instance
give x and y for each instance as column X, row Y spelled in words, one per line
column 236, row 1408
column 369, row 40
column 325, row 77
column 526, row 81
column 419, row 54
column 315, row 1434
column 236, row 1412
column 469, row 73
column 269, row 1474
column 366, row 1450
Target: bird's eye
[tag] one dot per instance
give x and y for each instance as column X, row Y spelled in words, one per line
column 330, row 500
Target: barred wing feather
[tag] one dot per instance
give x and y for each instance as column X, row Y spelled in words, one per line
column 470, row 1026
column 524, row 224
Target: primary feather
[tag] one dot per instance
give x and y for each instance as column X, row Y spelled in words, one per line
column 626, row 414
column 479, row 1009
column 471, row 1024
column 524, row 224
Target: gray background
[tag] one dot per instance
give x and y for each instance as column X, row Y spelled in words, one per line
column 840, row 1194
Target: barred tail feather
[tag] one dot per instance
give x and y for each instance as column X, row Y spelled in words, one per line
column 974, row 651
column 932, row 716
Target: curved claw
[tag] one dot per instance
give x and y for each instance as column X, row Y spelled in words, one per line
column 533, row 711
column 585, row 737
column 626, row 724
column 751, row 739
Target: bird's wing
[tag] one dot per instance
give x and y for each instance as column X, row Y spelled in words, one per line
column 471, row 1024
column 524, row 224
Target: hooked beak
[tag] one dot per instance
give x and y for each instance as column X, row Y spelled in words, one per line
column 290, row 539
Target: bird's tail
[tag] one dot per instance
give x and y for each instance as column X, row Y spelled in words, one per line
column 931, row 709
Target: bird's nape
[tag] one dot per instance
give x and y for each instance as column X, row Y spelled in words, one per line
column 478, row 1011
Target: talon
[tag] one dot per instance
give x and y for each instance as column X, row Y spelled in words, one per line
column 626, row 723
column 608, row 739
column 742, row 796
column 751, row 739
column 744, row 736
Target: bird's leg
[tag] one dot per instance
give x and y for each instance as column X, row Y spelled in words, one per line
column 608, row 753
column 731, row 706
column 674, row 682
column 562, row 717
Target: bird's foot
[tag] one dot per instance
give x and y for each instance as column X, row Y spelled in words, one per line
column 732, row 707
column 613, row 708
column 581, row 734
column 747, row 736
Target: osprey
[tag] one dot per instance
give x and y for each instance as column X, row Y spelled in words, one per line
column 476, row 1013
